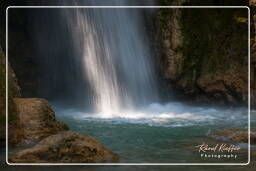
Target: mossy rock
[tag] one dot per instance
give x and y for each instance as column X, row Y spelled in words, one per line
column 205, row 42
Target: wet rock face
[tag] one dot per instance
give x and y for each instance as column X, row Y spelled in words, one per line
column 230, row 86
column 204, row 53
column 37, row 120
column 172, row 40
column 252, row 4
column 66, row 147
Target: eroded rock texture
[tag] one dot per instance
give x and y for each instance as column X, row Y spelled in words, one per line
column 234, row 135
column 205, row 53
column 37, row 119
column 66, row 147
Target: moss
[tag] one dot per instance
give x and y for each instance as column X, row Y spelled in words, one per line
column 164, row 14
column 210, row 37
column 205, row 32
column 207, row 43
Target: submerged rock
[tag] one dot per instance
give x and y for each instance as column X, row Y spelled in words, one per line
column 234, row 135
column 37, row 120
column 66, row 147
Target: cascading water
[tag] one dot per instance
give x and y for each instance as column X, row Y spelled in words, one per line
column 101, row 58
column 116, row 57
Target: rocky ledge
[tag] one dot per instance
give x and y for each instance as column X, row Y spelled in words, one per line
column 36, row 119
column 234, row 135
column 66, row 147
column 37, row 124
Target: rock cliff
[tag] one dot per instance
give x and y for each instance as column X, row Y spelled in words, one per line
column 37, row 120
column 204, row 53
column 252, row 4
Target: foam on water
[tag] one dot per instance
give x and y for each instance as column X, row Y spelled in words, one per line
column 168, row 115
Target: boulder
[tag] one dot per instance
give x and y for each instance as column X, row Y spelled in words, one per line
column 37, row 120
column 230, row 86
column 234, row 135
column 66, row 147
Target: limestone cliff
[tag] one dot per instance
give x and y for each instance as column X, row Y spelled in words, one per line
column 204, row 53
column 253, row 51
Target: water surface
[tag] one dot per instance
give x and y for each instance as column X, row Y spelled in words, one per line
column 158, row 133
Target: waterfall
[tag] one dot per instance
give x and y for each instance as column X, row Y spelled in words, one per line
column 116, row 57
column 98, row 63
column 95, row 59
